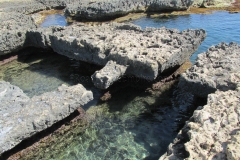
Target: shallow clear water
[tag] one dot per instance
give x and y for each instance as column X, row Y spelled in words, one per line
column 221, row 26
column 37, row 71
column 133, row 124
column 54, row 20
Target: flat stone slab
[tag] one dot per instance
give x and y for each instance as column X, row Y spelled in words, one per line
column 22, row 117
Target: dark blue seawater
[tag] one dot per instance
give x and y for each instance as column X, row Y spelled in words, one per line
column 54, row 20
column 221, row 26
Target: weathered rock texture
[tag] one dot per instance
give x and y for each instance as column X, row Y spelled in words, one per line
column 110, row 73
column 218, row 68
column 94, row 10
column 13, row 31
column 145, row 53
column 217, row 3
column 213, row 130
column 21, row 6
column 22, row 117
column 108, row 9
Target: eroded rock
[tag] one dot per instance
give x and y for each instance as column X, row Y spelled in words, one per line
column 110, row 9
column 109, row 74
column 213, row 130
column 23, row 117
column 216, row 69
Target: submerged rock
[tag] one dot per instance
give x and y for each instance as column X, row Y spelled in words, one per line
column 213, row 130
column 23, row 117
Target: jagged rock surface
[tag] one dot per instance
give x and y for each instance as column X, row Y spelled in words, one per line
column 213, row 130
column 218, row 68
column 21, row 6
column 13, row 31
column 146, row 53
column 109, row 74
column 108, row 9
column 22, row 117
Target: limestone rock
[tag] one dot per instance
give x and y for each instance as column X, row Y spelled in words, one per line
column 218, row 68
column 108, row 74
column 217, row 3
column 109, row 9
column 213, row 130
column 147, row 53
column 197, row 3
column 21, row 6
column 22, row 117
column 13, row 31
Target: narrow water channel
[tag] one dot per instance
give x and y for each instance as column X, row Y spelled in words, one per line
column 134, row 124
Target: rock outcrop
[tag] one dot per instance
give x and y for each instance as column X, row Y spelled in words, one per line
column 213, row 130
column 109, row 9
column 216, row 69
column 22, row 117
column 94, row 10
column 13, row 31
column 21, row 6
column 145, row 53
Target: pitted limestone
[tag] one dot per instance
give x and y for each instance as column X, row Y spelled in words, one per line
column 22, row 117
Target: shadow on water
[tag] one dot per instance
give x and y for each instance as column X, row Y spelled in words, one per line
column 37, row 71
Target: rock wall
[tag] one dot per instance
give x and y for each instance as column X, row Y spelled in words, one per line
column 23, row 117
column 213, row 130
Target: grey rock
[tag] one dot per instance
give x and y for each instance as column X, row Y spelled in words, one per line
column 21, row 6
column 213, row 130
column 109, row 9
column 147, row 53
column 108, row 74
column 13, row 31
column 216, row 69
column 197, row 3
column 22, row 117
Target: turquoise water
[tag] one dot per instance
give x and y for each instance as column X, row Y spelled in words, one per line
column 221, row 26
column 54, row 20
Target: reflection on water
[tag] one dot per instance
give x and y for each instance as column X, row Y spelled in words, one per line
column 54, row 20
column 220, row 26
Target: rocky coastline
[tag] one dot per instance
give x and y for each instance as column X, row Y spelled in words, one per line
column 215, row 73
column 213, row 130
column 142, row 53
